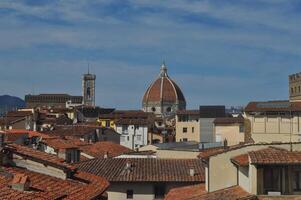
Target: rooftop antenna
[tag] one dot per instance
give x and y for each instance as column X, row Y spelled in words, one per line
column 88, row 67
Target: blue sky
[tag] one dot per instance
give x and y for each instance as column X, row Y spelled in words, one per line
column 218, row 51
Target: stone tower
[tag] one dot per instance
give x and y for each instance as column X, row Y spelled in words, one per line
column 88, row 82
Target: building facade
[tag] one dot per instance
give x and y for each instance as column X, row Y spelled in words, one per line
column 274, row 121
column 88, row 84
column 134, row 133
column 230, row 129
column 163, row 97
column 188, row 126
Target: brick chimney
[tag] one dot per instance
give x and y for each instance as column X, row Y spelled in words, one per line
column 20, row 182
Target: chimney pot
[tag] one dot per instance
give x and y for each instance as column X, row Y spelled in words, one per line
column 191, row 172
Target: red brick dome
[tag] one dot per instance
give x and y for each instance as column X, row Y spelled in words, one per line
column 163, row 89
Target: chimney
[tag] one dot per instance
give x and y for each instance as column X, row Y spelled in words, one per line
column 20, row 182
column 225, row 143
column 191, row 172
column 106, row 155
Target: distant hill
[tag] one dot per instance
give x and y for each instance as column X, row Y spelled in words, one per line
column 8, row 103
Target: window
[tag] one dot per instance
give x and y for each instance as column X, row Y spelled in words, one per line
column 192, row 129
column 153, row 109
column 129, row 194
column 159, row 191
column 271, row 179
column 185, row 140
column 292, row 90
column 107, row 123
column 185, row 130
column 128, row 137
column 168, row 109
column 297, row 181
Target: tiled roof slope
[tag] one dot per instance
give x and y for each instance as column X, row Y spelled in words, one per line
column 100, row 149
column 274, row 155
column 39, row 156
column 241, row 160
column 187, row 192
column 44, row 187
column 268, row 156
column 232, row 193
column 145, row 169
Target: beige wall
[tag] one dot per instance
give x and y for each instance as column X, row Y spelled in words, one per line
column 190, row 135
column 275, row 128
column 229, row 132
column 170, row 153
column 244, row 178
column 223, row 173
column 142, row 191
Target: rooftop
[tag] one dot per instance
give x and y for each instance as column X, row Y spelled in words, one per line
column 145, row 169
column 273, row 106
column 232, row 193
column 84, row 186
column 187, row 192
column 100, row 149
column 39, row 156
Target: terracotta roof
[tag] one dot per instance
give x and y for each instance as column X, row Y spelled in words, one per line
column 210, row 152
column 83, row 186
column 58, row 143
column 100, row 149
column 205, row 154
column 276, row 106
column 241, row 160
column 163, row 89
column 229, row 120
column 30, row 133
column 145, row 169
column 187, row 192
column 232, row 193
column 39, row 156
column 71, row 130
column 275, row 156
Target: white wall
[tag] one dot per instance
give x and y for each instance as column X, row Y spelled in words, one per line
column 133, row 136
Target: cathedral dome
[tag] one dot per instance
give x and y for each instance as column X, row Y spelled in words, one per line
column 163, row 95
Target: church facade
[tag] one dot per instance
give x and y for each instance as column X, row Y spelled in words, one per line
column 163, row 97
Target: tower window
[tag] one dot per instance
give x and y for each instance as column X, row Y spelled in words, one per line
column 153, row 109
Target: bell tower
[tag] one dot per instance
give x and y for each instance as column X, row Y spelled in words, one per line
column 88, row 84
